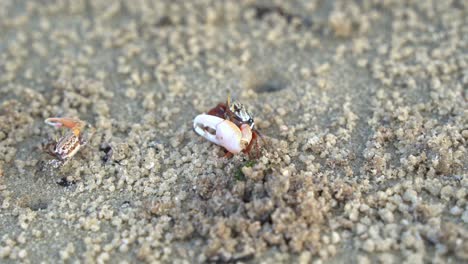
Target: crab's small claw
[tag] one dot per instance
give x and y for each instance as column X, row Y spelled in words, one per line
column 246, row 135
column 72, row 123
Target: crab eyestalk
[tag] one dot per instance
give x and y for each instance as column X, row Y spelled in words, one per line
column 228, row 101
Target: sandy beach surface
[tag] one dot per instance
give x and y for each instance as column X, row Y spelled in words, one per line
column 362, row 104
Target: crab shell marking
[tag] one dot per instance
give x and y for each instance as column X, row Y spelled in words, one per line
column 226, row 134
column 67, row 146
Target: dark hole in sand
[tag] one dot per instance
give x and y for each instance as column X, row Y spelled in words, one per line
column 38, row 205
column 273, row 84
column 458, row 4
column 165, row 21
column 125, row 204
column 270, row 87
column 65, row 183
column 266, row 80
column 262, row 11
column 234, row 259
column 107, row 149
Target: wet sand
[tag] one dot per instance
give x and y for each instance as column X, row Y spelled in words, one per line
column 363, row 105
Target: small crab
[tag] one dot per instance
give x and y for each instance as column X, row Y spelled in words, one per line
column 229, row 125
column 70, row 143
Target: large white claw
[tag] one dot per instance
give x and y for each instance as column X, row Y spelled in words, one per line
column 222, row 132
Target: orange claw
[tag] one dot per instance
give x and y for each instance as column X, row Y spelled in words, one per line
column 72, row 123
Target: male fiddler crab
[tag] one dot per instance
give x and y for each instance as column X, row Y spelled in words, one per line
column 70, row 143
column 230, row 125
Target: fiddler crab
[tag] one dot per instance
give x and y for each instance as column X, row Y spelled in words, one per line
column 70, row 143
column 229, row 125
